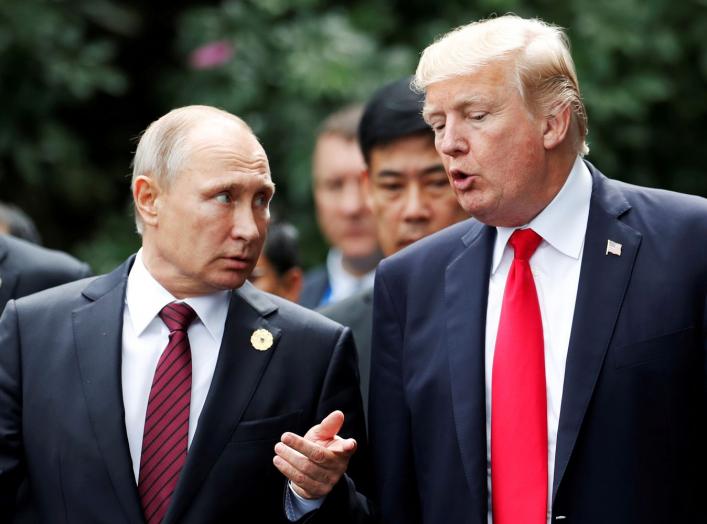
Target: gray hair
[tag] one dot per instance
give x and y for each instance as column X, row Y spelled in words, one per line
column 540, row 53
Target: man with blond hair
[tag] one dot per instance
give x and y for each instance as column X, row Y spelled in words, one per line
column 545, row 360
column 171, row 390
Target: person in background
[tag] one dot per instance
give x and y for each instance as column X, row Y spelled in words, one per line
column 546, row 360
column 343, row 216
column 278, row 270
column 407, row 190
column 26, row 268
column 172, row 390
column 15, row 222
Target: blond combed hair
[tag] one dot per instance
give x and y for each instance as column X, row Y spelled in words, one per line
column 539, row 53
column 165, row 145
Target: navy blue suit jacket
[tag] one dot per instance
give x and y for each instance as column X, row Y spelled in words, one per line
column 632, row 436
column 62, row 420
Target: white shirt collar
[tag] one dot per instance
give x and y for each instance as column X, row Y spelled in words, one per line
column 145, row 297
column 563, row 222
column 341, row 282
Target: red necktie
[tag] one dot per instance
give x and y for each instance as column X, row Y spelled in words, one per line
column 518, row 397
column 164, row 441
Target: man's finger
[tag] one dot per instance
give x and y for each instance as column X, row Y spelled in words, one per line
column 319, row 473
column 304, row 486
column 314, row 452
column 330, row 426
column 320, row 453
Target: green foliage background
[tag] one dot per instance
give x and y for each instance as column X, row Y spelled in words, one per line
column 79, row 81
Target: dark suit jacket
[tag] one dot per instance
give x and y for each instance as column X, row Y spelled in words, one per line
column 314, row 287
column 356, row 312
column 26, row 268
column 633, row 422
column 62, row 420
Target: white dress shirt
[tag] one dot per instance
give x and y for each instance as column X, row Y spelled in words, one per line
column 555, row 266
column 145, row 336
column 342, row 283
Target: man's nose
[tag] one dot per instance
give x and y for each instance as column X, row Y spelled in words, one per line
column 415, row 206
column 245, row 224
column 452, row 142
column 352, row 198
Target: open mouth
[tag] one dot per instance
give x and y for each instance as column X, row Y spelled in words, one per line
column 461, row 180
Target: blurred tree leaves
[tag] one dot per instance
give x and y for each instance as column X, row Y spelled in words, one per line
column 80, row 79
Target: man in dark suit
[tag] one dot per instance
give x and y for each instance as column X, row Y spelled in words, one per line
column 26, row 268
column 342, row 214
column 407, row 190
column 545, row 360
column 171, row 390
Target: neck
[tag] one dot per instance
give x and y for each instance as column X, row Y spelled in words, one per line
column 359, row 266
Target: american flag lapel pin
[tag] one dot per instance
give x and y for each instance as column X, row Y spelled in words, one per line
column 613, row 247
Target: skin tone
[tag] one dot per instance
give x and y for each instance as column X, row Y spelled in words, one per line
column 265, row 277
column 342, row 212
column 203, row 233
column 504, row 162
column 409, row 192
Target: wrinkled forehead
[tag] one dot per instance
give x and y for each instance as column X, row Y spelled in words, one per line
column 229, row 146
column 478, row 87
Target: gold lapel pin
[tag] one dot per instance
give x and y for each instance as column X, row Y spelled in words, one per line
column 261, row 339
column 613, row 247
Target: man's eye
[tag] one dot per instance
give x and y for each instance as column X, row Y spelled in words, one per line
column 262, row 200
column 477, row 116
column 391, row 187
column 223, row 198
column 439, row 182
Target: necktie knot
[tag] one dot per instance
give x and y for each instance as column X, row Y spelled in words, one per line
column 524, row 242
column 177, row 316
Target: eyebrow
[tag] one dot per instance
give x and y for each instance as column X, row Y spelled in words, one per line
column 429, row 170
column 460, row 103
column 269, row 185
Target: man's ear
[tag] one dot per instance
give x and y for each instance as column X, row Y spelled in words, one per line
column 146, row 194
column 556, row 126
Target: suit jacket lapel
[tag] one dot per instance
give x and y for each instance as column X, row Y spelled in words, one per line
column 603, row 282
column 466, row 289
column 8, row 276
column 98, row 334
column 238, row 371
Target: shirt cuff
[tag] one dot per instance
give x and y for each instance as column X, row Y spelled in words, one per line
column 297, row 507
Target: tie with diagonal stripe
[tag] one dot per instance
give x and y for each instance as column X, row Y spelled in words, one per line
column 165, row 437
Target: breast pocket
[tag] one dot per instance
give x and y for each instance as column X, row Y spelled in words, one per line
column 266, row 429
column 670, row 344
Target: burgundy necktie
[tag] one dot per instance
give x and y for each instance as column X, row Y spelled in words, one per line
column 518, row 397
column 164, row 441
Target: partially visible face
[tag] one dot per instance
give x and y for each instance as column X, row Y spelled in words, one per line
column 266, row 278
column 491, row 146
column 409, row 192
column 342, row 212
column 210, row 223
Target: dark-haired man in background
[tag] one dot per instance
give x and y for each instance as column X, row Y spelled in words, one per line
column 407, row 190
column 342, row 214
column 278, row 270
